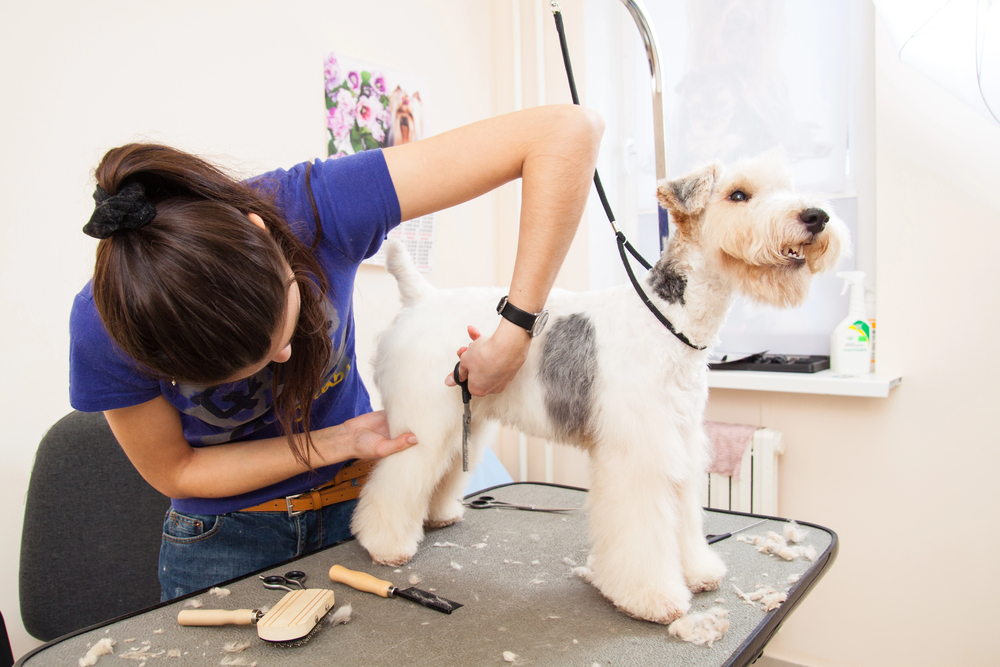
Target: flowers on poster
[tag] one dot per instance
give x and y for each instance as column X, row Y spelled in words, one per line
column 362, row 113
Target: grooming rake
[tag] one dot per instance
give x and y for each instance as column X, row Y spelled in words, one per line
column 290, row 622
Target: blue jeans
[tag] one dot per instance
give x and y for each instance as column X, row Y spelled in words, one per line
column 200, row 550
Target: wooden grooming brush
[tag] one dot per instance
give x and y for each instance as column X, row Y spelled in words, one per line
column 291, row 620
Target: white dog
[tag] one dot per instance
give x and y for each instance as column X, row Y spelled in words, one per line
column 605, row 376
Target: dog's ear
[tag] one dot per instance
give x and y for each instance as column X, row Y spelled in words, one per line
column 689, row 195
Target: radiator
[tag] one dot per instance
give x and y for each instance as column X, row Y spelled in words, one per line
column 757, row 489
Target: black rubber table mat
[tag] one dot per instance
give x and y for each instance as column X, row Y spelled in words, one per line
column 512, row 571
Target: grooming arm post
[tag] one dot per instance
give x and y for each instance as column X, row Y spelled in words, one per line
column 641, row 17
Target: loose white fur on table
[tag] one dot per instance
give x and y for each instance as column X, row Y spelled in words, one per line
column 604, row 376
column 342, row 616
column 102, row 647
column 701, row 629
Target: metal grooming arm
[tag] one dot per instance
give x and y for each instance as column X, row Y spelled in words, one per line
column 638, row 11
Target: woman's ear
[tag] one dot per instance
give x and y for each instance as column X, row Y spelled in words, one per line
column 257, row 220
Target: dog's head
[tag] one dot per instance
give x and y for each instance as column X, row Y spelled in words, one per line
column 748, row 221
column 407, row 121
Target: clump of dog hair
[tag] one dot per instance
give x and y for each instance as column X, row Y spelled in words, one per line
column 509, row 656
column 235, row 647
column 703, row 629
column 103, row 647
column 174, row 653
column 455, row 566
column 236, row 661
column 794, row 533
column 448, row 545
column 195, row 603
column 414, row 579
column 772, row 543
column 768, row 597
column 342, row 616
column 221, row 592
column 582, row 572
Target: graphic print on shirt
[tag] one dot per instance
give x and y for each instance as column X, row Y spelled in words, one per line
column 245, row 406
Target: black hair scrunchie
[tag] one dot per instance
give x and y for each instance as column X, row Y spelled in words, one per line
column 126, row 209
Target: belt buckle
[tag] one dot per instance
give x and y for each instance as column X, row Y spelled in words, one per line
column 288, row 504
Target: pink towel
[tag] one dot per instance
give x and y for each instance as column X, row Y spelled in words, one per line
column 728, row 442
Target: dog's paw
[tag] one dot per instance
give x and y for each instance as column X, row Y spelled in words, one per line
column 395, row 561
column 636, row 597
column 442, row 522
column 706, row 574
column 657, row 609
column 445, row 513
column 389, row 553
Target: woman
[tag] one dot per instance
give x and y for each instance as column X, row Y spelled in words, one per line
column 217, row 335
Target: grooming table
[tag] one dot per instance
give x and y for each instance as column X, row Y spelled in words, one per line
column 512, row 570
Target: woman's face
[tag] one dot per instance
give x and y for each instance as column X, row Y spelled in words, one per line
column 281, row 344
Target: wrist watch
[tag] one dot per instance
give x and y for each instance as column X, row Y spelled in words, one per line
column 533, row 324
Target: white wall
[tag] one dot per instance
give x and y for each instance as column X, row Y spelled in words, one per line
column 907, row 482
column 235, row 79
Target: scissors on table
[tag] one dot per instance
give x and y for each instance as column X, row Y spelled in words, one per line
column 488, row 502
column 289, row 582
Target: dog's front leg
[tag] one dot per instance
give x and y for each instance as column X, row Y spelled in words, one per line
column 389, row 518
column 634, row 512
column 703, row 568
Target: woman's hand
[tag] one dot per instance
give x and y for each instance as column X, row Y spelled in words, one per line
column 490, row 364
column 366, row 437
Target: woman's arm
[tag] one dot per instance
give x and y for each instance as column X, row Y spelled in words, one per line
column 553, row 150
column 152, row 437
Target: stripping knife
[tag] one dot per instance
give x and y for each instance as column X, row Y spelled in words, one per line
column 466, row 418
column 369, row 584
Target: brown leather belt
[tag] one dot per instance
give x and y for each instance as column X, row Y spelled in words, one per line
column 345, row 486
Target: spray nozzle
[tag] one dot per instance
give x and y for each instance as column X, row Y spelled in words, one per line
column 852, row 278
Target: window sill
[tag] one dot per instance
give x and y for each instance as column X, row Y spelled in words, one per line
column 823, row 382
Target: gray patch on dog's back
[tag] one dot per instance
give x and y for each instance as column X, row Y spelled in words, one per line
column 668, row 283
column 568, row 370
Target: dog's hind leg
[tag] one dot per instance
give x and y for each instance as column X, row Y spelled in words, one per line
column 393, row 505
column 634, row 509
column 446, row 503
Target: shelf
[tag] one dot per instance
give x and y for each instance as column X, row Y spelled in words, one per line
column 823, row 382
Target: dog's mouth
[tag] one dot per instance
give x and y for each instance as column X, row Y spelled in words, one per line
column 795, row 253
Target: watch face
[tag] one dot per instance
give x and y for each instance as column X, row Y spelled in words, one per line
column 540, row 321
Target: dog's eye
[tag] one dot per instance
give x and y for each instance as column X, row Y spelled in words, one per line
column 739, row 195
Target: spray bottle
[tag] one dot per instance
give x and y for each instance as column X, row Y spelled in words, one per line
column 850, row 344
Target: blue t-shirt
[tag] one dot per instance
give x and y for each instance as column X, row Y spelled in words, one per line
column 357, row 207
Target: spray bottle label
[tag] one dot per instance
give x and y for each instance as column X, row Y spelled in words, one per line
column 859, row 335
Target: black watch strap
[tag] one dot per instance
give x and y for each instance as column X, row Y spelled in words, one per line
column 532, row 323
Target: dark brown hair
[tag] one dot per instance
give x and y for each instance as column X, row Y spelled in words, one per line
column 199, row 293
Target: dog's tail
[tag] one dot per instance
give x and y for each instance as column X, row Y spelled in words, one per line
column 412, row 285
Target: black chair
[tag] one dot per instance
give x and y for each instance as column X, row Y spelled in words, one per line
column 92, row 526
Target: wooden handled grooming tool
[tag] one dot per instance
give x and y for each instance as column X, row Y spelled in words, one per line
column 369, row 584
column 293, row 618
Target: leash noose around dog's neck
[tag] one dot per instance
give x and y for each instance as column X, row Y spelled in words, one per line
column 623, row 243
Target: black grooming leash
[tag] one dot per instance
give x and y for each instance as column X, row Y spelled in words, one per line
column 623, row 243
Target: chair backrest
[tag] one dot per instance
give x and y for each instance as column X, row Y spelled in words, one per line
column 92, row 527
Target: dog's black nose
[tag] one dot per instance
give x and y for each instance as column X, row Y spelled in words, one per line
column 814, row 219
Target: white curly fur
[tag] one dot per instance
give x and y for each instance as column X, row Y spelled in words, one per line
column 643, row 418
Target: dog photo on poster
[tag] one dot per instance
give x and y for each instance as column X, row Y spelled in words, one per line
column 370, row 106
